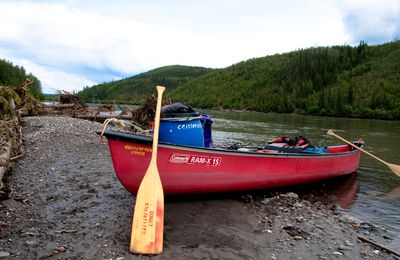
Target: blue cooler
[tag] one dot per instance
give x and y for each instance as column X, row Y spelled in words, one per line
column 182, row 129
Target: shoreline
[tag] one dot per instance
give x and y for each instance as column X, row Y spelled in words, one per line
column 66, row 202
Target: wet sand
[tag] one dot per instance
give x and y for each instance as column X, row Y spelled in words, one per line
column 66, row 203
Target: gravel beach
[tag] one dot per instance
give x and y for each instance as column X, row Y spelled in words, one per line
column 66, row 203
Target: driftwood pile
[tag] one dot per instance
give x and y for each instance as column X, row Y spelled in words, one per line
column 17, row 102
column 144, row 116
column 69, row 98
column 10, row 148
column 14, row 103
column 141, row 117
column 71, row 105
column 68, row 105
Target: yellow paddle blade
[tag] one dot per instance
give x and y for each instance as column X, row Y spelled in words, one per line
column 148, row 219
column 395, row 168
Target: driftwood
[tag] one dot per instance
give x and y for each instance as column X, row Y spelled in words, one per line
column 4, row 160
column 23, row 88
column 18, row 102
column 60, row 106
column 66, row 97
column 102, row 118
column 378, row 245
column 29, row 105
column 144, row 116
column 10, row 143
column 9, row 139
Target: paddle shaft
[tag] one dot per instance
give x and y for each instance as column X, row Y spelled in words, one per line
column 160, row 91
column 330, row 132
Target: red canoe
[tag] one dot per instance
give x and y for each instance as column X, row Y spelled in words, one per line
column 185, row 169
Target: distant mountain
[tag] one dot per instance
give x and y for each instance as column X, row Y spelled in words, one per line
column 138, row 88
column 361, row 81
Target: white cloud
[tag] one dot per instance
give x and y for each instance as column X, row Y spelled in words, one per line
column 87, row 42
column 372, row 21
column 57, row 78
column 68, row 41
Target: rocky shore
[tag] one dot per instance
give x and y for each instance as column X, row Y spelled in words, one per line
column 65, row 202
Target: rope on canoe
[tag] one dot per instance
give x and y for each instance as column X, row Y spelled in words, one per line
column 121, row 124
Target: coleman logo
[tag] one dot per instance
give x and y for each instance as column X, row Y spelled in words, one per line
column 179, row 158
column 194, row 159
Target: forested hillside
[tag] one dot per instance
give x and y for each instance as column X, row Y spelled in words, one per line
column 361, row 81
column 12, row 76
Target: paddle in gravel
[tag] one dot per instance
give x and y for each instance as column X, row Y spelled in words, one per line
column 148, row 218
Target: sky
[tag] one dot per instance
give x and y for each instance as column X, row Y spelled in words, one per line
column 71, row 44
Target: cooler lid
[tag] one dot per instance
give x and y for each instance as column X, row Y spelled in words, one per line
column 178, row 110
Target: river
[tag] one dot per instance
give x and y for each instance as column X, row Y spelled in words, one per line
column 372, row 195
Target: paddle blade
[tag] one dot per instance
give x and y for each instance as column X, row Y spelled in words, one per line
column 148, row 218
column 395, row 168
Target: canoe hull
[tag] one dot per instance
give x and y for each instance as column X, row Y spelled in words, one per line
column 185, row 170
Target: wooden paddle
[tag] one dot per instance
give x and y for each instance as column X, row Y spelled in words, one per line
column 395, row 168
column 148, row 218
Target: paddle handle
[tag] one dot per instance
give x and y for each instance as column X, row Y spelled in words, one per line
column 160, row 90
column 330, row 132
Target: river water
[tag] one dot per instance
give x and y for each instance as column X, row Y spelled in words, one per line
column 371, row 195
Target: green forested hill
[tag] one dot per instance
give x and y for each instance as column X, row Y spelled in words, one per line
column 137, row 89
column 362, row 81
column 12, row 75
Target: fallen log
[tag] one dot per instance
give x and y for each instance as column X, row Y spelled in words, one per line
column 10, row 143
column 5, row 154
column 60, row 106
column 102, row 118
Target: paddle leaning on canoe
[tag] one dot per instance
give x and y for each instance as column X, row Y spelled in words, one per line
column 148, row 219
